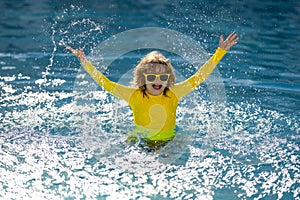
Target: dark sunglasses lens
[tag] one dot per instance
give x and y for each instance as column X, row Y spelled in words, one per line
column 164, row 77
column 151, row 78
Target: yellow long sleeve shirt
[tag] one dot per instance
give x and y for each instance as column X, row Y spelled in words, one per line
column 156, row 115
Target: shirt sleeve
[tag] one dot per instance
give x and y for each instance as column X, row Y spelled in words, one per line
column 114, row 88
column 183, row 88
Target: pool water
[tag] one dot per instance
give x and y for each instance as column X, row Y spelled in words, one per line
column 62, row 136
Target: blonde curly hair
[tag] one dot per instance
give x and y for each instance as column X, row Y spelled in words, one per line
column 148, row 64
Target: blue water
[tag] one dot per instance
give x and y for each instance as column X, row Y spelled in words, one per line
column 62, row 136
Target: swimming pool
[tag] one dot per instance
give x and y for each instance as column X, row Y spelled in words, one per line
column 62, row 136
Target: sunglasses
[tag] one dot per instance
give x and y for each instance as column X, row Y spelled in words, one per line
column 153, row 77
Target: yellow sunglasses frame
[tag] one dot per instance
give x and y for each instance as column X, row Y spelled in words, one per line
column 156, row 76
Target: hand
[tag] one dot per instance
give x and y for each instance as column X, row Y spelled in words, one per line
column 229, row 42
column 79, row 54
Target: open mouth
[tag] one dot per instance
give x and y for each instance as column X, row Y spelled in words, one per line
column 156, row 87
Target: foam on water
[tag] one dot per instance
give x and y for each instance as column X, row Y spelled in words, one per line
column 45, row 152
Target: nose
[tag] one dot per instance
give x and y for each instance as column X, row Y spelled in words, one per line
column 157, row 80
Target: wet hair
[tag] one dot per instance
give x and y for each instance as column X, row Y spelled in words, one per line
column 148, row 64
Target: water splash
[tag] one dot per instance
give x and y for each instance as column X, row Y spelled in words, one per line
column 256, row 156
column 79, row 33
column 51, row 59
column 247, row 163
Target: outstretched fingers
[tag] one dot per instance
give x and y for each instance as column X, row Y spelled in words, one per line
column 221, row 38
column 232, row 38
column 71, row 49
column 229, row 42
column 74, row 51
column 79, row 54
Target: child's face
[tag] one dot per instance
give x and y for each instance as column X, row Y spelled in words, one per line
column 155, row 85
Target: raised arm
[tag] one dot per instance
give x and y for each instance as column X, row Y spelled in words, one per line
column 185, row 87
column 116, row 89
